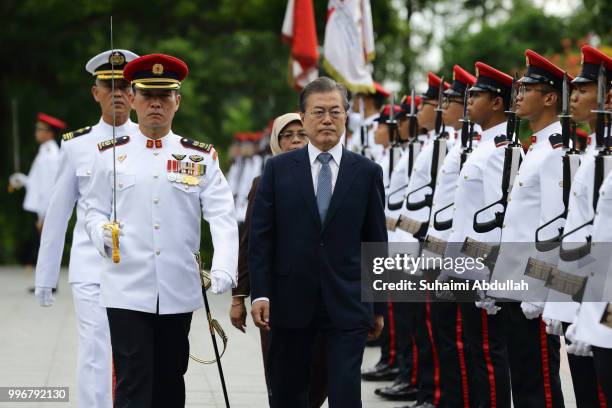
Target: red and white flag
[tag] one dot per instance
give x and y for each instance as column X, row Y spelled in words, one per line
column 349, row 43
column 300, row 32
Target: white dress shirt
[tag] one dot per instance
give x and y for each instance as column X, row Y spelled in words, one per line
column 315, row 165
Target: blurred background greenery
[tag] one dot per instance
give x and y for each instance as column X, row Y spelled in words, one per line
column 238, row 65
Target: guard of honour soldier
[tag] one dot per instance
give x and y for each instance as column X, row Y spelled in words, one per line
column 459, row 139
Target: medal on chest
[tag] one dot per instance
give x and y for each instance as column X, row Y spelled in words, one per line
column 185, row 172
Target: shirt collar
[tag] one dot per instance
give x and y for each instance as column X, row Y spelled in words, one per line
column 142, row 139
column 494, row 131
column 542, row 135
column 128, row 124
column 336, row 152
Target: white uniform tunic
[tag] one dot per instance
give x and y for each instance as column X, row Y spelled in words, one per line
column 421, row 175
column 41, row 178
column 75, row 169
column 478, row 185
column 162, row 224
column 538, row 175
column 354, row 143
column 588, row 328
column 560, row 306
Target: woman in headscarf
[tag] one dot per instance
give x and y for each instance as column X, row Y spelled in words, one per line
column 287, row 134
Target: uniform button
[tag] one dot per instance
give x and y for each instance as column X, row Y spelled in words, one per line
column 521, row 183
column 155, row 175
column 155, row 200
column 504, row 226
column 157, row 252
column 156, row 226
column 155, row 153
column 88, row 172
column 120, row 185
column 321, row 244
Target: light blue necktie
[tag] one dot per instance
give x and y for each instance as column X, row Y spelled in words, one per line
column 324, row 185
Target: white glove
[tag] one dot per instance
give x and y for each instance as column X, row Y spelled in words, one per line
column 44, row 296
column 221, row 282
column 532, row 310
column 18, row 180
column 488, row 304
column 553, row 326
column 577, row 348
column 103, row 239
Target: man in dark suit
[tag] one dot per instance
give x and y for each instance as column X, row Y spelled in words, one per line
column 313, row 209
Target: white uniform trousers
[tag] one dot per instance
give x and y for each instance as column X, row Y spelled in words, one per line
column 94, row 366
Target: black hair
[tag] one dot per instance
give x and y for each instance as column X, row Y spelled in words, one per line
column 323, row 85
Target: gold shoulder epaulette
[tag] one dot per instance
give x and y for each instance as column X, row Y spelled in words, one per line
column 194, row 144
column 102, row 146
column 76, row 133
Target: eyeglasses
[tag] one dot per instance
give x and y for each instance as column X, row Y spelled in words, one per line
column 447, row 101
column 334, row 113
column 290, row 134
column 429, row 103
column 523, row 89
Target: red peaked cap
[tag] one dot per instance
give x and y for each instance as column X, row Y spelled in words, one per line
column 592, row 58
column 156, row 71
column 462, row 80
column 51, row 121
column 542, row 71
column 406, row 103
column 433, row 81
column 385, row 111
column 380, row 90
column 492, row 80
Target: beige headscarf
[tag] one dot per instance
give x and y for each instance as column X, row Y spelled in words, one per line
column 277, row 127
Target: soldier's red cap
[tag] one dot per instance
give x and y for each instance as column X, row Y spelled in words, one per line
column 433, row 82
column 385, row 111
column 492, row 80
column 461, row 81
column 51, row 121
column 592, row 58
column 542, row 71
column 380, row 90
column 156, row 71
column 405, row 103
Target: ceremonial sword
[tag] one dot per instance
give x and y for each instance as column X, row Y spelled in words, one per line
column 114, row 225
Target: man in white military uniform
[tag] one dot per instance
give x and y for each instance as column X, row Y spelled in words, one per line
column 39, row 182
column 94, row 372
column 538, row 101
column 165, row 183
column 478, row 185
column 560, row 309
column 446, row 316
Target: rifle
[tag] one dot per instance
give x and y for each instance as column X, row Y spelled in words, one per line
column 363, row 133
column 467, row 130
column 396, row 149
column 414, row 148
column 512, row 161
column 438, row 154
column 571, row 161
column 603, row 165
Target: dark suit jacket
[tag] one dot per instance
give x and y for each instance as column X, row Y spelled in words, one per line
column 294, row 260
column 243, row 288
